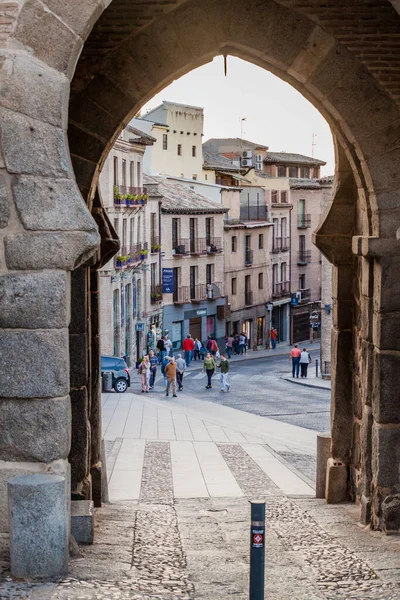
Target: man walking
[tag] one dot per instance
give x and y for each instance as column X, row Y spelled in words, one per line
column 180, row 369
column 153, row 368
column 161, row 349
column 197, row 349
column 295, row 358
column 224, row 366
column 305, row 360
column 242, row 341
column 170, row 373
column 273, row 335
column 229, row 345
column 188, row 347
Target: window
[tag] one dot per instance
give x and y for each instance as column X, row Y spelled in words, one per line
column 234, row 243
column 179, row 150
column 283, row 272
column 194, row 177
column 193, row 150
column 132, row 233
column 116, row 226
column 165, row 141
column 177, row 279
column 293, row 171
column 139, row 176
column 281, row 171
column 274, row 196
column 302, row 282
column 139, row 231
column 302, row 243
column 302, row 208
column 153, row 268
column 284, row 227
column 209, row 274
column 175, row 233
column 284, row 197
column 260, row 281
column 260, row 241
column 276, row 228
column 206, row 177
column 132, row 173
column 124, row 233
column 193, row 235
column 153, row 230
column 274, row 274
column 305, row 172
column 209, row 230
column 115, row 170
column 124, row 173
column 234, row 286
column 247, row 284
column 193, row 280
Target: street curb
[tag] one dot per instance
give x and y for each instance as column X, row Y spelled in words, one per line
column 310, row 385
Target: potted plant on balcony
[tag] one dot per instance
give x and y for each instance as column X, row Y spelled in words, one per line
column 156, row 297
column 120, row 261
column 155, row 248
column 135, row 198
column 143, row 253
column 129, row 199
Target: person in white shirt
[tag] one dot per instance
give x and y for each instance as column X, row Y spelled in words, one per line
column 305, row 360
column 168, row 345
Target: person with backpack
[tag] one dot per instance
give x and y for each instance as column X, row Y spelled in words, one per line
column 305, row 360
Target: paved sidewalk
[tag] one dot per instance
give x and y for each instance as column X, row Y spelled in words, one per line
column 181, row 473
column 310, row 381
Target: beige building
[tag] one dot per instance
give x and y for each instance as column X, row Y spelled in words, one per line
column 192, row 261
column 129, row 311
column 178, row 131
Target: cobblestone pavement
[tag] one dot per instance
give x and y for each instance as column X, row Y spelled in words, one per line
column 161, row 548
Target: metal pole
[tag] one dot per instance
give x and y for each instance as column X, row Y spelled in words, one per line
column 316, row 368
column 257, row 550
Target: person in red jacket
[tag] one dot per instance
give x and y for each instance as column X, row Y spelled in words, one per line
column 188, row 347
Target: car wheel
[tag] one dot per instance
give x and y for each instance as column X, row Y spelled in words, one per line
column 120, row 385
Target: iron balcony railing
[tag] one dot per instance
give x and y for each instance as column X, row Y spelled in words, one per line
column 285, row 245
column 303, row 221
column 281, row 289
column 156, row 294
column 248, row 298
column 197, row 246
column 214, row 244
column 181, row 247
column 304, row 257
column 214, row 290
column 198, row 292
column 129, row 196
column 305, row 295
column 181, row 295
column 248, row 256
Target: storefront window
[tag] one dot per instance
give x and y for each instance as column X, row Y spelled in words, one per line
column 260, row 330
column 211, row 326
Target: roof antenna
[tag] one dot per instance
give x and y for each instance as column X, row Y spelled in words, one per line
column 225, row 65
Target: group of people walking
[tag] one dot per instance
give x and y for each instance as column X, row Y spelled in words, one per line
column 300, row 361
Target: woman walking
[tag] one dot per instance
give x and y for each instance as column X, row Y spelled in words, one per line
column 153, row 368
column 144, row 371
column 305, row 360
column 209, row 367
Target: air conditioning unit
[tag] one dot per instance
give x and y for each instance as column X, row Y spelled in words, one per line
column 247, row 162
column 247, row 154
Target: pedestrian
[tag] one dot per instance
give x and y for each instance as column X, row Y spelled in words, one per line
column 164, row 363
column 229, row 345
column 188, row 347
column 180, row 369
column 209, row 367
column 209, row 343
column 295, row 358
column 197, row 348
column 170, row 372
column 161, row 348
column 236, row 343
column 305, row 360
column 144, row 372
column 203, row 352
column 153, row 368
column 214, row 347
column 224, row 366
column 246, row 343
column 168, row 345
column 274, row 336
column 242, row 340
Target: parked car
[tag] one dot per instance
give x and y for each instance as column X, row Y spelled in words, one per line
column 121, row 378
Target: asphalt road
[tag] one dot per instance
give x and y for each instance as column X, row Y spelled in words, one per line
column 257, row 387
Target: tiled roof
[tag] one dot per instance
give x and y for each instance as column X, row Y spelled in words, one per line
column 144, row 138
column 241, row 143
column 304, row 184
column 213, row 160
column 290, row 157
column 179, row 199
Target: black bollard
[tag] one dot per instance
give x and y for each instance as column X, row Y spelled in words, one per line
column 257, row 550
column 316, row 368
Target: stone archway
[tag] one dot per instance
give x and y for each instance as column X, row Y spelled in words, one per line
column 132, row 52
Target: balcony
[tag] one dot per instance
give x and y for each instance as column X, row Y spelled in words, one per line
column 156, row 294
column 214, row 290
column 155, row 245
column 276, row 245
column 248, row 257
column 181, row 295
column 214, row 245
column 304, row 295
column 197, row 246
column 304, row 257
column 129, row 196
column 180, row 247
column 198, row 292
column 285, row 245
column 281, row 290
column 248, row 298
column 303, row 221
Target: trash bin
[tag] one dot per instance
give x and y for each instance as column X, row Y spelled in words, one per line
column 107, row 382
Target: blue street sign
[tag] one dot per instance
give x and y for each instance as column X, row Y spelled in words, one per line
column 168, row 281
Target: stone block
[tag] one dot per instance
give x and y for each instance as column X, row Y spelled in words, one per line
column 323, row 454
column 384, row 172
column 8, row 470
column 341, row 411
column 33, row 147
column 4, row 204
column 79, row 300
column 330, row 71
column 391, row 513
column 35, row 430
column 386, row 329
column 34, row 300
column 51, row 204
column 386, row 388
column 48, row 37
column 39, row 526
column 78, row 344
column 61, row 250
column 89, row 146
column 84, row 171
column 79, row 456
column 80, row 21
column 82, row 521
column 387, row 285
column 336, row 482
column 365, row 510
column 385, row 456
column 34, row 89
column 96, row 119
column 34, row 364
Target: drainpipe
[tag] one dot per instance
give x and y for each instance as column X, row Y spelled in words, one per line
column 290, row 275
column 160, row 262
